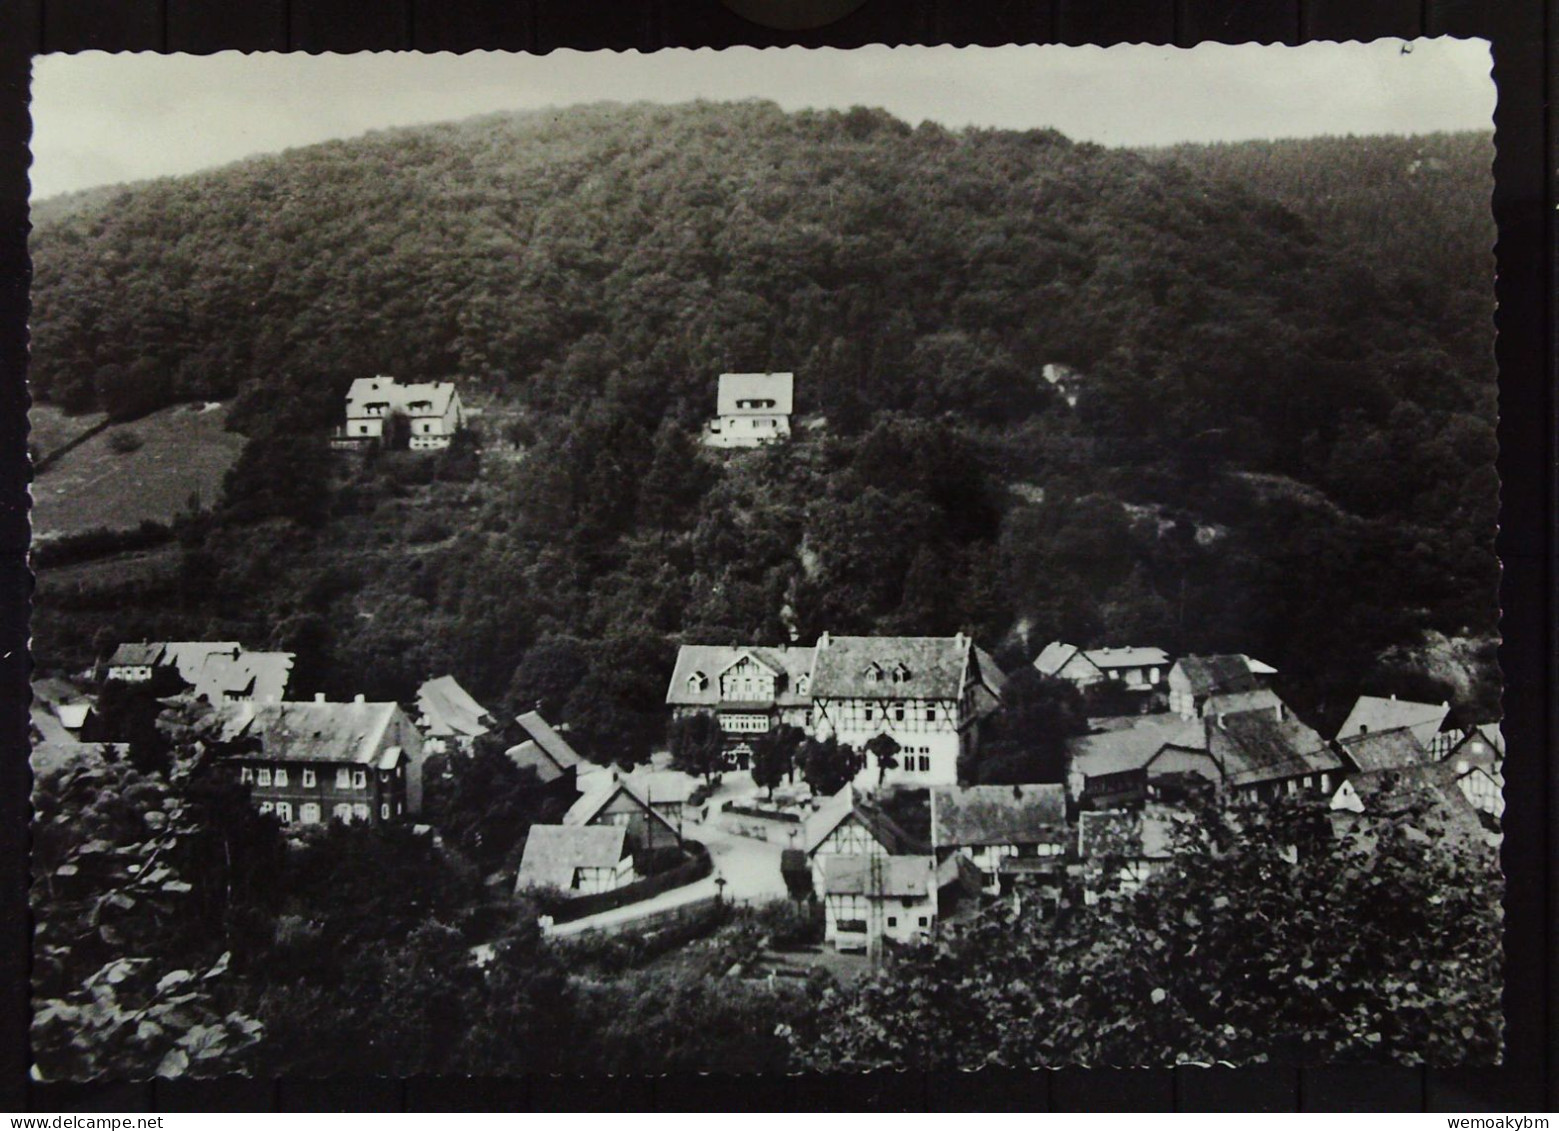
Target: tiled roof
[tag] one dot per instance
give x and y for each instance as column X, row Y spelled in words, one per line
column 1256, row 747
column 310, row 732
column 447, row 708
column 712, row 659
column 997, row 814
column 551, row 743
column 1209, row 675
column 600, row 794
column 837, row 809
column 554, row 852
column 887, row 877
column 776, row 387
column 929, row 667
column 138, row 655
column 1413, row 790
column 1384, row 749
column 1371, row 712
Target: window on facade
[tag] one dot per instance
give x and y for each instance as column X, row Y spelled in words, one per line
column 922, row 920
column 310, row 813
column 266, row 806
column 308, row 779
column 384, row 811
column 246, row 775
column 869, row 712
column 342, row 812
column 264, row 777
column 893, row 920
column 930, row 714
column 343, row 778
column 284, row 811
column 281, row 776
column 898, row 712
column 909, row 901
column 359, row 779
column 360, row 812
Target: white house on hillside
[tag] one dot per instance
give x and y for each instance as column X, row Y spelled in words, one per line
column 433, row 411
column 752, row 409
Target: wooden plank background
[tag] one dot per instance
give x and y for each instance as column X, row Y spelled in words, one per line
column 1522, row 204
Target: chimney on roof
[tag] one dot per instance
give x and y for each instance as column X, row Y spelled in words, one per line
column 822, row 641
column 1364, row 728
column 319, row 696
column 1017, row 792
column 1393, row 694
column 358, row 698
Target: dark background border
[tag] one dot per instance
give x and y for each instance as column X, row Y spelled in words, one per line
column 1520, row 31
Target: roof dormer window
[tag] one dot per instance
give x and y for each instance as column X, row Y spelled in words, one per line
column 698, row 681
column 900, row 674
column 873, row 674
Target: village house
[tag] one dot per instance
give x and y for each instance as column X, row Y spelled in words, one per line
column 1141, row 670
column 1477, row 759
column 546, row 752
column 847, row 825
column 1383, row 750
column 612, row 801
column 929, row 693
column 1195, row 679
column 1426, row 800
column 1125, row 766
column 448, row 718
column 749, row 690
column 575, row 859
column 312, row 763
column 1004, row 830
column 871, row 899
column 432, row 411
column 1260, row 752
column 1372, row 713
column 1263, row 757
column 751, row 409
column 136, row 663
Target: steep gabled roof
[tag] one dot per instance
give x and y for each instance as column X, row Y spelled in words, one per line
column 435, row 396
column 712, row 659
column 1255, row 747
column 143, row 654
column 554, row 852
column 602, row 794
column 1210, row 675
column 549, row 741
column 936, row 667
column 838, row 809
column 1371, row 712
column 1053, row 657
column 737, row 387
column 446, row 708
column 349, row 733
column 979, row 815
column 1384, row 749
column 887, row 877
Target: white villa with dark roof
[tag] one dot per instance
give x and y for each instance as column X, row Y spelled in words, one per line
column 433, row 410
column 218, row 671
column 749, row 690
column 752, row 409
column 929, row 693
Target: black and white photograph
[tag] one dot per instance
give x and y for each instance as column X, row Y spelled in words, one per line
column 764, row 561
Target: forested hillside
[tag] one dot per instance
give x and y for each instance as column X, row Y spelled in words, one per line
column 1283, row 442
